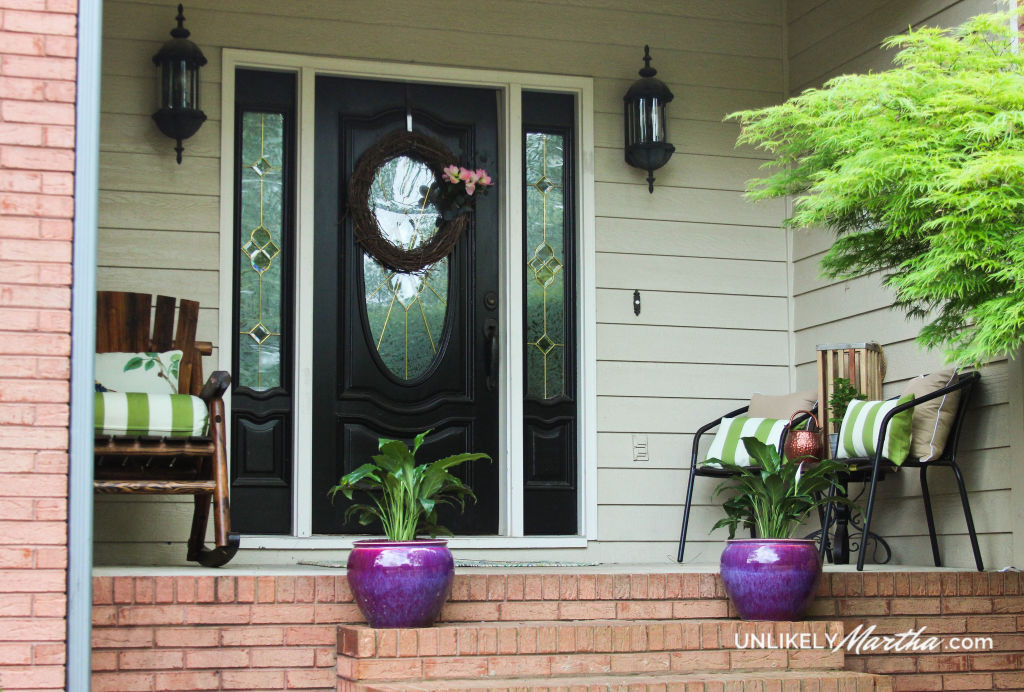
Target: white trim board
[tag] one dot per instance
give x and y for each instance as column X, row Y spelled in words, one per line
column 509, row 86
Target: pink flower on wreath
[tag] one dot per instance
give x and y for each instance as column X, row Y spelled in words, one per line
column 470, row 178
column 451, row 173
column 482, row 178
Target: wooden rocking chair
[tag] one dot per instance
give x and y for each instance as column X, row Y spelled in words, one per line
column 169, row 465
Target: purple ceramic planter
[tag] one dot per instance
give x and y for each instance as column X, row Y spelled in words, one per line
column 771, row 578
column 400, row 583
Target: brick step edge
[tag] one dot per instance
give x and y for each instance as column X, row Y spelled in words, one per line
column 584, row 636
column 834, row 681
column 571, row 665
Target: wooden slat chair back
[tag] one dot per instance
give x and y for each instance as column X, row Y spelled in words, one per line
column 127, row 322
column 123, row 325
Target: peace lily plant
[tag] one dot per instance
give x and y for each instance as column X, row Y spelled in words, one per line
column 404, row 496
column 773, row 577
column 774, row 494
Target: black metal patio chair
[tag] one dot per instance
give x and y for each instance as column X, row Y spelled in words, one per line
column 872, row 469
column 696, row 469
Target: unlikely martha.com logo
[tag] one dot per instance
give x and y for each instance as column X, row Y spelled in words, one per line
column 863, row 640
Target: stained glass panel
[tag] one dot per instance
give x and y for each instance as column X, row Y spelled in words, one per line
column 260, row 278
column 406, row 311
column 545, row 266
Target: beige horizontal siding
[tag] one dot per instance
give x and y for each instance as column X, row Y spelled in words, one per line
column 711, row 268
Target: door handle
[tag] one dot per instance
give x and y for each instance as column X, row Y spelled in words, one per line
column 491, row 352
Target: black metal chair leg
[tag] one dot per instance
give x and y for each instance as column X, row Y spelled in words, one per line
column 968, row 516
column 928, row 515
column 826, row 520
column 862, row 553
column 686, row 511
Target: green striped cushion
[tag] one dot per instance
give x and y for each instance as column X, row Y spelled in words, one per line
column 728, row 443
column 163, row 415
column 858, row 434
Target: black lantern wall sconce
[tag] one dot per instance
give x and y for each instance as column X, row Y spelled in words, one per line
column 647, row 145
column 178, row 62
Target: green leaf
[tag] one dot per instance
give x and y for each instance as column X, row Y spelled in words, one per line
column 405, row 495
column 133, row 364
column 150, row 364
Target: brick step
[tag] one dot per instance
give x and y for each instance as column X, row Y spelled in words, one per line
column 559, row 649
column 516, row 597
column 819, row 681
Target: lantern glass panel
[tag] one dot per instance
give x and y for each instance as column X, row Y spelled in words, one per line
column 646, row 121
column 179, row 86
column 193, row 88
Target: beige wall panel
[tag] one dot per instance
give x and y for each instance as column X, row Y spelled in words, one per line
column 794, row 9
column 681, row 204
column 882, row 326
column 861, row 36
column 132, row 55
column 694, row 102
column 636, row 414
column 684, row 170
column 905, row 516
column 690, row 345
column 119, row 247
column 160, row 173
column 645, row 486
column 662, row 523
column 414, row 26
column 808, row 242
column 688, row 136
column 954, row 550
column 432, row 46
column 840, row 301
column 825, row 20
column 674, row 380
column 807, row 273
column 954, row 15
column 664, row 451
column 138, row 134
column 756, row 11
column 905, row 357
column 159, row 212
column 137, row 95
column 692, row 309
column 689, row 239
column 698, row 275
column 183, row 283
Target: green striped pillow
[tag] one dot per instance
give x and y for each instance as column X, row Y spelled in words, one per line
column 728, row 443
column 163, row 415
column 858, row 434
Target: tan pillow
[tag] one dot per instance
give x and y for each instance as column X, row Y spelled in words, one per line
column 781, row 407
column 932, row 419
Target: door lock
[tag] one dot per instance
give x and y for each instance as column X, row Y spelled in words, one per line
column 491, row 300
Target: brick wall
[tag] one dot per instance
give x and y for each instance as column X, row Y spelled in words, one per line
column 244, row 632
column 231, row 633
column 37, row 134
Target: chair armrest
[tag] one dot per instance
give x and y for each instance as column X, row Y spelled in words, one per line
column 707, row 426
column 215, row 386
column 204, row 348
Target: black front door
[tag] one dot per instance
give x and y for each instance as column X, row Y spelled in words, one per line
column 395, row 354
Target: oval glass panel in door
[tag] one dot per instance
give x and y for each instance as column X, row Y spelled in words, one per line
column 405, row 311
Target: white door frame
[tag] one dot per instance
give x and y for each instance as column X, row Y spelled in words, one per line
column 509, row 86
